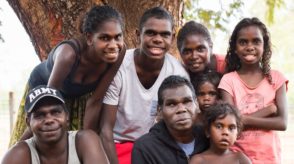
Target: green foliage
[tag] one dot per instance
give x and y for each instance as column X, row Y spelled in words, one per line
column 216, row 19
column 271, row 6
column 219, row 18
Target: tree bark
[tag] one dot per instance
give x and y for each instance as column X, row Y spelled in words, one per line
column 48, row 22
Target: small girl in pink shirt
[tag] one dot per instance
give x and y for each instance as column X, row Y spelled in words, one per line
column 256, row 90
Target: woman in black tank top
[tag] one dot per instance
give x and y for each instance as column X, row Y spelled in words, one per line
column 81, row 69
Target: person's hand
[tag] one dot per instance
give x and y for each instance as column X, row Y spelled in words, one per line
column 272, row 109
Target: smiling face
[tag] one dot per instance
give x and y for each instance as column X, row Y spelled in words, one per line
column 196, row 52
column 155, row 37
column 107, row 42
column 223, row 132
column 206, row 95
column 250, row 45
column 48, row 121
column 179, row 108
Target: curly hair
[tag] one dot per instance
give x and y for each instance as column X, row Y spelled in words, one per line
column 219, row 111
column 96, row 16
column 173, row 81
column 232, row 60
column 156, row 12
column 192, row 28
column 211, row 77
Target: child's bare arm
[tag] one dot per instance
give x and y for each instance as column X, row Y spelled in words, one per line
column 227, row 97
column 265, row 112
column 278, row 122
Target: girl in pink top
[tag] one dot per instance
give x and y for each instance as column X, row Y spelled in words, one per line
column 256, row 90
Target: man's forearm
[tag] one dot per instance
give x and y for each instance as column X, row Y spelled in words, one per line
column 92, row 114
column 110, row 149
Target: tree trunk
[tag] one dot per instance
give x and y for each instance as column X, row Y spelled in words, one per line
column 48, row 22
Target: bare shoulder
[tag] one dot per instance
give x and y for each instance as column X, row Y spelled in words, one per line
column 87, row 139
column 21, row 151
column 197, row 159
column 67, row 51
column 243, row 159
column 86, row 136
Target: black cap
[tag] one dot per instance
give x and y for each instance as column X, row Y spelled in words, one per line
column 38, row 93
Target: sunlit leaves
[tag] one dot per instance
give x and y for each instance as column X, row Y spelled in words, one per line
column 216, row 18
column 271, row 6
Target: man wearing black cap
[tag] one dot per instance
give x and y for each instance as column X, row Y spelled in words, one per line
column 47, row 118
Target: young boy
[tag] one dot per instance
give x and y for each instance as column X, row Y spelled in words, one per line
column 131, row 100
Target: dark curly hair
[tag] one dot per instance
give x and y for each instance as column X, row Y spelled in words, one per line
column 211, row 77
column 173, row 81
column 158, row 13
column 98, row 15
column 233, row 62
column 191, row 28
column 220, row 110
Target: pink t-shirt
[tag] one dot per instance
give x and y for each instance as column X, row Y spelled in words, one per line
column 261, row 146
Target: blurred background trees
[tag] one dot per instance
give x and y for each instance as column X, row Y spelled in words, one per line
column 47, row 22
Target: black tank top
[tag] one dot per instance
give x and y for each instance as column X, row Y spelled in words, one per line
column 41, row 73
